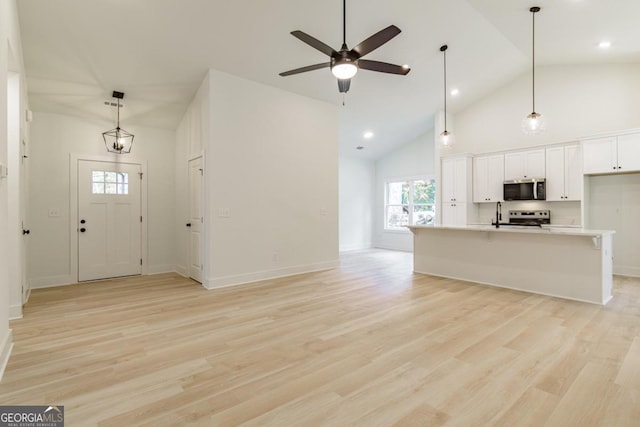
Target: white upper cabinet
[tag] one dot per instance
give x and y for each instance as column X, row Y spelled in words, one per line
column 612, row 154
column 524, row 164
column 488, row 178
column 563, row 173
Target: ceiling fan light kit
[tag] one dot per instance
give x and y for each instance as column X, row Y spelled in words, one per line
column 345, row 63
column 118, row 140
column 534, row 123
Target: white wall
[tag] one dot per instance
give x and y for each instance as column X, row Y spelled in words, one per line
column 54, row 137
column 10, row 61
column 192, row 131
column 577, row 100
column 272, row 162
column 615, row 205
column 415, row 159
column 357, row 192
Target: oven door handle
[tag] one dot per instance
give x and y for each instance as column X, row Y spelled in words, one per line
column 535, row 190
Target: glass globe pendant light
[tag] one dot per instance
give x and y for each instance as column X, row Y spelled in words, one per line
column 534, row 123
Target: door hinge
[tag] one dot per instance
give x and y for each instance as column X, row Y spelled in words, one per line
column 140, row 261
column 140, row 173
column 140, row 218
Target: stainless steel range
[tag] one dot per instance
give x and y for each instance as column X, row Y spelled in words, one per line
column 529, row 218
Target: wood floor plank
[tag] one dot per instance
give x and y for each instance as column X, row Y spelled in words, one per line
column 369, row 343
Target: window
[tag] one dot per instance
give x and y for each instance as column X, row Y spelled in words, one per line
column 105, row 182
column 410, row 202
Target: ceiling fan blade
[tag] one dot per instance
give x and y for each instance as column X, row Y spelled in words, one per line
column 376, row 40
column 344, row 85
column 314, row 43
column 382, row 67
column 305, row 69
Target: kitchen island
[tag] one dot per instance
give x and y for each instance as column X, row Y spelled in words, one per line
column 570, row 263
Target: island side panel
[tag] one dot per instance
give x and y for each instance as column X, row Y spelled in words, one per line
column 552, row 264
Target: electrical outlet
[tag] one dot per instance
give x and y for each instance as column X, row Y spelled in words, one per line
column 323, row 211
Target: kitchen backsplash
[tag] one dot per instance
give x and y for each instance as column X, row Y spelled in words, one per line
column 562, row 213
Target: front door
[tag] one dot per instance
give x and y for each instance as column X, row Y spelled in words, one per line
column 195, row 219
column 109, row 220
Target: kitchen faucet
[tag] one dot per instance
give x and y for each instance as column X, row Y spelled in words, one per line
column 498, row 214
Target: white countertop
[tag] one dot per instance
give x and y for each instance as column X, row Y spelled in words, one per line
column 552, row 229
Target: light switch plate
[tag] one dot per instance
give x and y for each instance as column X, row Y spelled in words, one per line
column 54, row 212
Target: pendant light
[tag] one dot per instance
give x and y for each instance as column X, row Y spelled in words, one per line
column 534, row 123
column 445, row 137
column 118, row 140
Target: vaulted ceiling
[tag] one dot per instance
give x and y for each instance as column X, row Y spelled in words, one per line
column 158, row 51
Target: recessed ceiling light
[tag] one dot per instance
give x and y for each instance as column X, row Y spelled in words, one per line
column 605, row 44
column 367, row 135
column 455, row 92
column 359, row 147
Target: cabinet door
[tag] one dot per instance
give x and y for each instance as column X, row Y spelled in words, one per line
column 555, row 174
column 513, row 166
column 449, row 214
column 534, row 164
column 454, row 214
column 572, row 173
column 495, row 178
column 480, row 179
column 460, row 181
column 448, row 180
column 629, row 153
column 599, row 156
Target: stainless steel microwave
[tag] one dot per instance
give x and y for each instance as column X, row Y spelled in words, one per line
column 525, row 189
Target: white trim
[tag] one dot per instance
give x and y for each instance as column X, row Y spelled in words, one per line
column 52, row 281
column 15, row 312
column 73, row 207
column 351, row 248
column 626, row 270
column 395, row 248
column 181, row 270
column 241, row 279
column 5, row 351
column 609, row 133
column 161, row 269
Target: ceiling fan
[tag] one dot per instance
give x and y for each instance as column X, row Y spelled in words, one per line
column 345, row 63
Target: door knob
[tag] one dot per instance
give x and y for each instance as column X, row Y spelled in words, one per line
column 82, row 221
column 188, row 224
column 25, row 232
column 82, row 230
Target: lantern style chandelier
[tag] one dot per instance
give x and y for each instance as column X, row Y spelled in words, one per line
column 118, row 140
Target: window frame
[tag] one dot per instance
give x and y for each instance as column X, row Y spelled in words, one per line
column 410, row 206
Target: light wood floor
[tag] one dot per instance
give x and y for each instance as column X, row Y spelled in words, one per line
column 367, row 344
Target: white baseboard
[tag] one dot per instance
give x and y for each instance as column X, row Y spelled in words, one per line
column 240, row 279
column 15, row 312
column 160, row 269
column 624, row 270
column 351, row 248
column 51, row 281
column 5, row 351
column 400, row 248
column 181, row 270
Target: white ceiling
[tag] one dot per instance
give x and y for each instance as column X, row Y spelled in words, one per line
column 158, row 51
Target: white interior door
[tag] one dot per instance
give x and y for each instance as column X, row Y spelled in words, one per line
column 109, row 220
column 24, row 211
column 195, row 219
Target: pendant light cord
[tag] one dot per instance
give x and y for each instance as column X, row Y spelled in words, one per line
column 533, row 63
column 445, row 89
column 118, row 121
